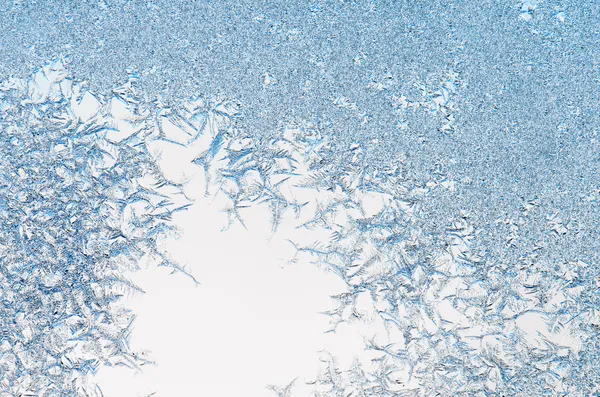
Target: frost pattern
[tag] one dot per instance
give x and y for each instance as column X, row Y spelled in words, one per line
column 457, row 319
column 82, row 201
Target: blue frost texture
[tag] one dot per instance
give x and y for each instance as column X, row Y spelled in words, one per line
column 80, row 204
column 474, row 125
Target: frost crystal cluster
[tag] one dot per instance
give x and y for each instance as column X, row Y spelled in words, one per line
column 82, row 201
column 447, row 151
column 457, row 320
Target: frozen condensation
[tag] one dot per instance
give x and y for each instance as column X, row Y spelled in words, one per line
column 457, row 320
column 82, row 201
column 454, row 146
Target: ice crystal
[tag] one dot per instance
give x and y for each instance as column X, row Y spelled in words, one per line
column 81, row 203
column 475, row 139
column 458, row 320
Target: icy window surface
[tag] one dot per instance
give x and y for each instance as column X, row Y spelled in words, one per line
column 440, row 157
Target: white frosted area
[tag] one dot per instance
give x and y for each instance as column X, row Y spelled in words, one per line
column 254, row 319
